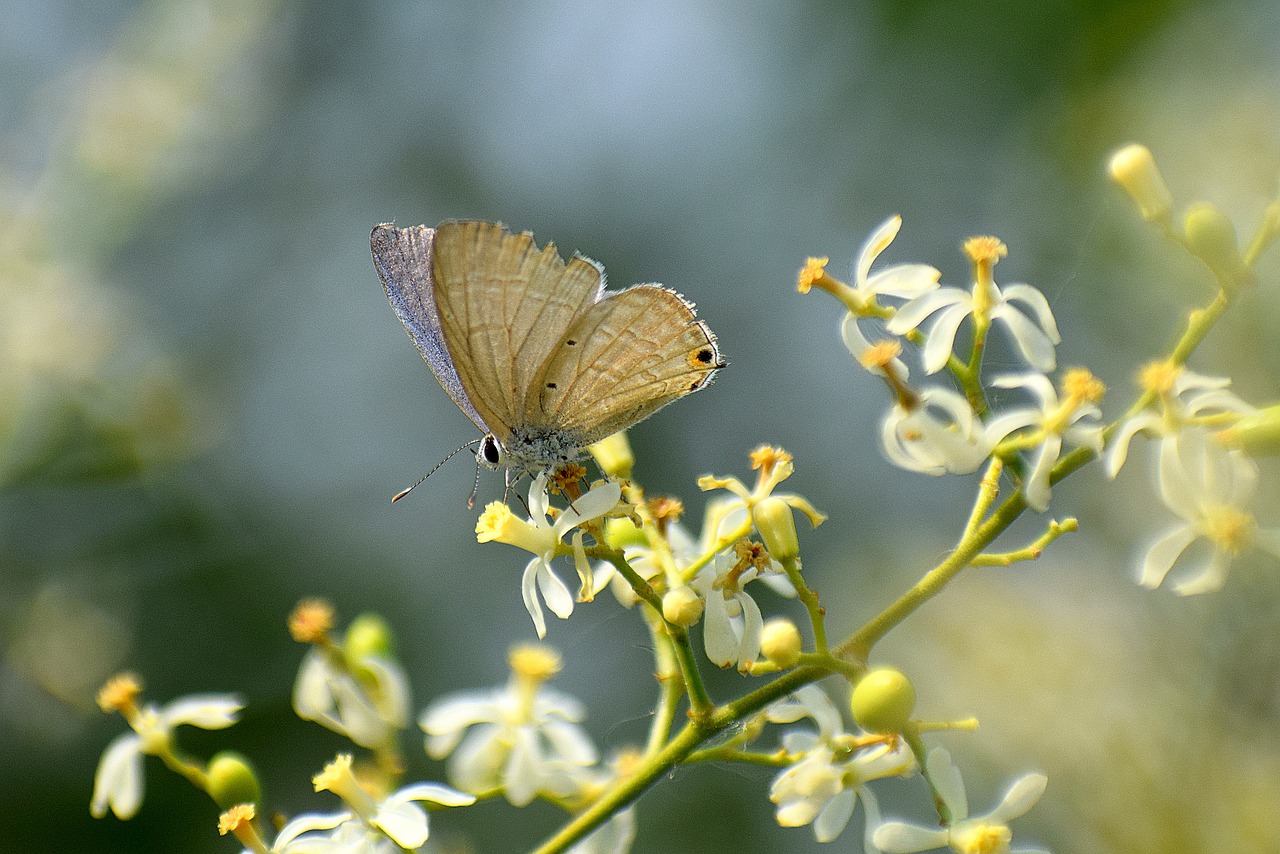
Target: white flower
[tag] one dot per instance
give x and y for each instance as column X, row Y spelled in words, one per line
column 1055, row 421
column 523, row 738
column 1034, row 339
column 331, row 833
column 983, row 834
column 1211, row 489
column 822, row 787
column 328, row 693
column 940, row 435
column 369, row 823
column 1184, row 396
column 118, row 784
column 905, row 281
column 731, row 622
column 543, row 537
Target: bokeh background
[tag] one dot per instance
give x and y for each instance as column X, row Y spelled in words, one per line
column 205, row 401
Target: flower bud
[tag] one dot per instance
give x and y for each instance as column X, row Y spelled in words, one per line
column 368, row 635
column 613, row 455
column 1258, row 435
column 883, row 701
column 780, row 642
column 777, row 527
column 621, row 532
column 1211, row 237
column 232, row 780
column 681, row 606
column 1134, row 169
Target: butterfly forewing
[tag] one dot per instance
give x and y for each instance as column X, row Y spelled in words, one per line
column 623, row 359
column 403, row 259
column 504, row 306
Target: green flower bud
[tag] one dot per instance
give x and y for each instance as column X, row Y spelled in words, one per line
column 622, row 532
column 780, row 642
column 1211, row 237
column 682, row 606
column 368, row 635
column 883, row 701
column 1134, row 169
column 1258, row 435
column 614, row 456
column 777, row 526
column 232, row 780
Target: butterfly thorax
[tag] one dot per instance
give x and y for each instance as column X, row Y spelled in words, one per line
column 537, row 448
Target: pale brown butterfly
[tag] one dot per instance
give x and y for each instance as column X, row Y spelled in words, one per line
column 535, row 351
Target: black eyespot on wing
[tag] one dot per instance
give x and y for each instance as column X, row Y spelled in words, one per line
column 704, row 355
column 694, row 386
column 570, row 342
column 551, row 385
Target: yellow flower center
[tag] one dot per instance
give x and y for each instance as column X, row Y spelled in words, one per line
column 1229, row 528
column 1082, row 386
column 985, row 250
column 881, row 354
column 120, row 694
column 311, row 621
column 1159, row 377
column 498, row 523
column 535, row 662
column 234, row 818
column 981, row 838
column 812, row 273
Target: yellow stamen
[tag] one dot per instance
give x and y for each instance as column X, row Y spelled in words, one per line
column 1160, row 377
column 534, row 662
column 1230, row 528
column 311, row 621
column 233, row 819
column 1082, row 386
column 881, row 354
column 120, row 694
column 982, row 839
column 813, row 273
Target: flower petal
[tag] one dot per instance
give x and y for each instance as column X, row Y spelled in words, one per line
column 1163, row 553
column 942, row 337
column 834, row 816
column 207, row 711
column 1022, row 796
column 1035, row 300
column 894, row 837
column 876, row 243
column 118, row 783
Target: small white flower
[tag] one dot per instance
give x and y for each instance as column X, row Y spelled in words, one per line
column 940, row 435
column 326, row 692
column 904, row 281
column 523, row 738
column 1211, row 490
column 731, row 622
column 331, row 833
column 822, row 787
column 369, row 823
column 1055, row 420
column 118, row 784
column 983, row 834
column 1185, row 396
column 1035, row 339
column 543, row 537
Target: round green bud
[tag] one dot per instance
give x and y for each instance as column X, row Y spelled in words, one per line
column 1258, row 435
column 780, row 642
column 1134, row 169
column 682, row 606
column 1211, row 236
column 883, row 701
column 368, row 635
column 777, row 526
column 232, row 780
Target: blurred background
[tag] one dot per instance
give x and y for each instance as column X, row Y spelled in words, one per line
column 206, row 402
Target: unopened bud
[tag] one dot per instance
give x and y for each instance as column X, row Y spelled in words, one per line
column 883, row 701
column 1134, row 169
column 682, row 606
column 613, row 455
column 1211, row 237
column 1258, row 435
column 780, row 642
column 368, row 635
column 232, row 780
column 777, row 526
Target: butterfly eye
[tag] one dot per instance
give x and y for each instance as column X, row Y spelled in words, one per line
column 490, row 450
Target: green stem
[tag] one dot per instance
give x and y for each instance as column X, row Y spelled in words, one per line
column 811, row 604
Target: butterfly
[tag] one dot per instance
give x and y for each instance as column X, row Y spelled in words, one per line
column 534, row 350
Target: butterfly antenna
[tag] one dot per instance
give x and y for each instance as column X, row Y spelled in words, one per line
column 475, row 487
column 402, row 493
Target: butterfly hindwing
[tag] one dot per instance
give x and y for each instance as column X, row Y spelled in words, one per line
column 623, row 359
